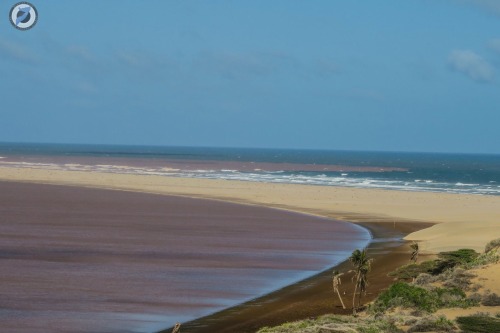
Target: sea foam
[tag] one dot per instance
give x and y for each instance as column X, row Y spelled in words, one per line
column 366, row 180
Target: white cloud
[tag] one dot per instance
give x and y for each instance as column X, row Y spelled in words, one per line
column 494, row 44
column 472, row 65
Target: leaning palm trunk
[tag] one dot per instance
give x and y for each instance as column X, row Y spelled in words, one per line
column 336, row 282
column 341, row 301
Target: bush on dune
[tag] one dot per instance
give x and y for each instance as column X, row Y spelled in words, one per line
column 335, row 323
column 436, row 284
column 492, row 245
column 479, row 324
column 445, row 262
column 407, row 295
column 432, row 324
column 457, row 278
column 490, row 299
column 411, row 271
column 486, row 258
column 404, row 295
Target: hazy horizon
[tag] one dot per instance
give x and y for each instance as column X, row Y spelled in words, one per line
column 249, row 148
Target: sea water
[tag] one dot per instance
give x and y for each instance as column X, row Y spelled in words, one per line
column 429, row 172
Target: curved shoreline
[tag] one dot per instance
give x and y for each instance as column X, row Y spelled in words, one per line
column 313, row 297
column 65, row 239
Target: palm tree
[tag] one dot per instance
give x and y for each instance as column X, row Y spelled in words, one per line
column 362, row 265
column 415, row 252
column 336, row 283
column 363, row 281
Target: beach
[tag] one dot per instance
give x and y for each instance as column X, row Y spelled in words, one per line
column 457, row 212
column 389, row 215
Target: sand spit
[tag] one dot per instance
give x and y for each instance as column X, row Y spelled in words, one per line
column 459, row 213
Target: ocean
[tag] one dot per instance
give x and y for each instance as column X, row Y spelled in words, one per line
column 429, row 172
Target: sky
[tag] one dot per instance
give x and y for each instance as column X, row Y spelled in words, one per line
column 388, row 75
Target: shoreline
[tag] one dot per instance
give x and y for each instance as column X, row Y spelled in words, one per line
column 313, row 297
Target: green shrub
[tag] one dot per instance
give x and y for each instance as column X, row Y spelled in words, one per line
column 492, row 245
column 379, row 326
column 490, row 300
column 411, row 271
column 475, row 297
column 457, row 278
column 433, row 324
column 446, row 261
column 424, row 279
column 335, row 323
column 458, row 257
column 405, row 295
column 479, row 324
column 483, row 259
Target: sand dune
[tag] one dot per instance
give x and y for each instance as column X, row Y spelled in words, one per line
column 468, row 220
column 453, row 235
column 488, row 278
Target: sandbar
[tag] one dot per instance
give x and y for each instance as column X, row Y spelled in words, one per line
column 459, row 213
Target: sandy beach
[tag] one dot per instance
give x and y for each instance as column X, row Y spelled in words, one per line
column 458, row 214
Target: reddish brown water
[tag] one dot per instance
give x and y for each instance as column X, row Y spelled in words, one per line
column 87, row 260
column 182, row 164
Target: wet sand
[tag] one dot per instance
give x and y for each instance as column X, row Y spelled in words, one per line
column 76, row 259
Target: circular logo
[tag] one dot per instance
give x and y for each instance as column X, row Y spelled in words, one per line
column 23, row 16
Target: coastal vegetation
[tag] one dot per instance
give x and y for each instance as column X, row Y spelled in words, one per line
column 492, row 245
column 406, row 295
column 479, row 323
column 415, row 302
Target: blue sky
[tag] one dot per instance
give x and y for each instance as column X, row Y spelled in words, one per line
column 420, row 75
